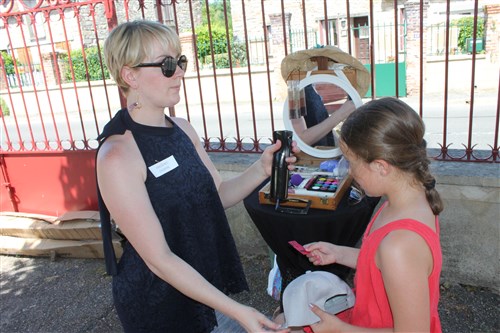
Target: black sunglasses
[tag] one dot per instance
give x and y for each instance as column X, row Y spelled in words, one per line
column 168, row 65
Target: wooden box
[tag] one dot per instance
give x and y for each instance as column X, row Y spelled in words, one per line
column 305, row 160
column 318, row 200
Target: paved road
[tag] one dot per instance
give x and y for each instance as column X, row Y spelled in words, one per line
column 38, row 295
column 457, row 125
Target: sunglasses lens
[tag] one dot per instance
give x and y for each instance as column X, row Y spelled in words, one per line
column 182, row 62
column 169, row 65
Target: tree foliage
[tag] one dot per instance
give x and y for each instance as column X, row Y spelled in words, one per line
column 219, row 42
column 4, row 108
column 220, row 37
column 93, row 71
column 466, row 26
column 217, row 18
column 8, row 63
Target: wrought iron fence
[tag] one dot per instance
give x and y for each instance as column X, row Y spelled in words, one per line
column 28, row 76
column 298, row 39
column 239, row 55
column 63, row 97
column 385, row 35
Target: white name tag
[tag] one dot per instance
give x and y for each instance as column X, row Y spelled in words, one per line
column 164, row 166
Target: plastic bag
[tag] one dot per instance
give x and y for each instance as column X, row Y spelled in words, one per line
column 274, row 282
column 342, row 168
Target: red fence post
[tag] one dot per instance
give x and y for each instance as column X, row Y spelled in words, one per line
column 110, row 11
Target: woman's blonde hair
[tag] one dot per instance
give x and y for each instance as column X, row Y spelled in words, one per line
column 131, row 43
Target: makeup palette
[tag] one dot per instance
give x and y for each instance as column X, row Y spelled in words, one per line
column 322, row 190
column 322, row 183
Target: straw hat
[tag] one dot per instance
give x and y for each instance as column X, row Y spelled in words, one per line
column 301, row 61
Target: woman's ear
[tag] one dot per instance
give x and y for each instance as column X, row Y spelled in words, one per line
column 129, row 76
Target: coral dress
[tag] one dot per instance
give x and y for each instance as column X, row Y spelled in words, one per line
column 372, row 307
column 195, row 226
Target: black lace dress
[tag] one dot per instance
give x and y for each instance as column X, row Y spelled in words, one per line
column 188, row 206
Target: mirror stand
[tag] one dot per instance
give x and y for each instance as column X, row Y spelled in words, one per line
column 313, row 79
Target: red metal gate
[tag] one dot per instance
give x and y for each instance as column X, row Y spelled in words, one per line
column 49, row 114
column 56, row 95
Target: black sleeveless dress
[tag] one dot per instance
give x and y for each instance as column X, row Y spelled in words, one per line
column 316, row 113
column 188, row 206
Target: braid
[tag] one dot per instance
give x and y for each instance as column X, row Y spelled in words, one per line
column 423, row 175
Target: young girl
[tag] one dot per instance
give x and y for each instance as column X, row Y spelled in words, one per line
column 399, row 263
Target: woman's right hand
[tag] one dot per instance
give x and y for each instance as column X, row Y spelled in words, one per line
column 253, row 321
column 322, row 253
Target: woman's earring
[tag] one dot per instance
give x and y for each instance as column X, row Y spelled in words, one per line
column 136, row 105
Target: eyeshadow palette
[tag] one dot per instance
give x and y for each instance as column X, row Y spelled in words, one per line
column 321, row 190
column 323, row 183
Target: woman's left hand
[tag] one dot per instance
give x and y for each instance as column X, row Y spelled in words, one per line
column 267, row 156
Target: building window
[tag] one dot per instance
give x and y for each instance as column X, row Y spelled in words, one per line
column 37, row 23
column 329, row 26
column 38, row 20
column 167, row 11
column 364, row 31
column 402, row 30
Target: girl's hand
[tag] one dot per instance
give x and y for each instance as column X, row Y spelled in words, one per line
column 328, row 323
column 322, row 253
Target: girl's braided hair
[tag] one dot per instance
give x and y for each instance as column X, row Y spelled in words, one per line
column 389, row 129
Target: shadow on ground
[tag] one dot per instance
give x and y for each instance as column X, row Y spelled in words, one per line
column 38, row 295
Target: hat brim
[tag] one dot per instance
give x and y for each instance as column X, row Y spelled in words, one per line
column 323, row 289
column 302, row 61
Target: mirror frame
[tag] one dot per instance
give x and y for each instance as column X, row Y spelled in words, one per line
column 320, row 78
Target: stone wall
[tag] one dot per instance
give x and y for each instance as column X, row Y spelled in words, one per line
column 413, row 46
column 492, row 32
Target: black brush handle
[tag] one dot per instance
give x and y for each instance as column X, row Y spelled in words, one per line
column 280, row 173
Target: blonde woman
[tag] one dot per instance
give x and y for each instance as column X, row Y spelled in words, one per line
column 166, row 196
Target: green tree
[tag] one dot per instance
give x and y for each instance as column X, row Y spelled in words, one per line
column 93, row 65
column 8, row 62
column 219, row 42
column 219, row 37
column 217, row 18
column 466, row 26
column 4, row 108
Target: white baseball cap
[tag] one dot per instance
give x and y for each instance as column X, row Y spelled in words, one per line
column 323, row 289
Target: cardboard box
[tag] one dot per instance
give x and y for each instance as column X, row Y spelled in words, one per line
column 38, row 247
column 82, row 226
column 74, row 234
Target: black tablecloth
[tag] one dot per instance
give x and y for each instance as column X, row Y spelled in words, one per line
column 343, row 226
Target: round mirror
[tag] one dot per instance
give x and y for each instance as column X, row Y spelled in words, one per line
column 315, row 131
